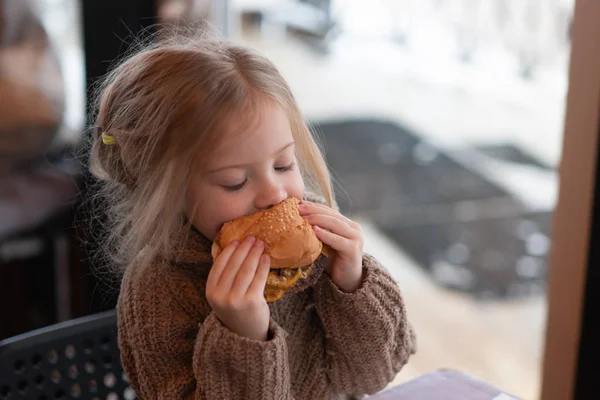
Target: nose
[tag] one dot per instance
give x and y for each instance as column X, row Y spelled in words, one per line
column 270, row 194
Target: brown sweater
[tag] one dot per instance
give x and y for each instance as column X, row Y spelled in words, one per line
column 323, row 342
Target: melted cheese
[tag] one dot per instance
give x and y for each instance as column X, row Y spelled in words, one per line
column 273, row 295
column 285, row 281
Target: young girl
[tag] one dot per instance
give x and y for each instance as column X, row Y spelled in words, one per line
column 190, row 134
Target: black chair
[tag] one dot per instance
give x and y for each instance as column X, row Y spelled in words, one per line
column 77, row 359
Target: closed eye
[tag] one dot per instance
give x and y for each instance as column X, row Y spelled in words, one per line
column 286, row 168
column 235, row 187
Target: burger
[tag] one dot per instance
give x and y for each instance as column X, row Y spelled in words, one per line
column 297, row 255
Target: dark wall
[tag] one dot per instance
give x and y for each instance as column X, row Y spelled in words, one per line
column 588, row 363
column 108, row 29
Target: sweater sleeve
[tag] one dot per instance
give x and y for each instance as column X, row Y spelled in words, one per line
column 174, row 347
column 368, row 338
column 233, row 367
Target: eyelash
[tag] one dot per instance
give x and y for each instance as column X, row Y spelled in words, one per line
column 286, row 168
column 241, row 185
column 236, row 187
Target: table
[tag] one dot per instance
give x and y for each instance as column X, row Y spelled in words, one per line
column 443, row 385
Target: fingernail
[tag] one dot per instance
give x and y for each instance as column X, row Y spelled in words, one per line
column 259, row 244
column 250, row 239
column 316, row 228
column 234, row 243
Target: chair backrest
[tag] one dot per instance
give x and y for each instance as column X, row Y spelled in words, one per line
column 77, row 359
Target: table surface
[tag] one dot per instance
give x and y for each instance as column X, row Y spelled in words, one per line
column 443, row 385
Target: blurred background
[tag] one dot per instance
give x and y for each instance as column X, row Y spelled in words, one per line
column 441, row 120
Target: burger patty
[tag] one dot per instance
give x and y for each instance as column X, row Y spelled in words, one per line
column 283, row 279
column 313, row 274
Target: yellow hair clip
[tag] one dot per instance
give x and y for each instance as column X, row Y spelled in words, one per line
column 107, row 139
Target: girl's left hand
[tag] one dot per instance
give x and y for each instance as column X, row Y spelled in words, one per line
column 345, row 237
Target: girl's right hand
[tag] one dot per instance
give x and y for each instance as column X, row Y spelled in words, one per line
column 235, row 288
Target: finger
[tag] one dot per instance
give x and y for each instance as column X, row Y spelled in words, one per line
column 308, row 208
column 336, row 242
column 234, row 264
column 335, row 225
column 315, row 209
column 220, row 264
column 257, row 287
column 248, row 269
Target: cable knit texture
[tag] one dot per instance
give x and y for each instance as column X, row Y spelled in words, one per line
column 322, row 343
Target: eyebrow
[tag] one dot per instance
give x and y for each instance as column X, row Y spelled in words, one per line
column 244, row 165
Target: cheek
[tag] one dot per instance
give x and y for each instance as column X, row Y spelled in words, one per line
column 202, row 209
column 211, row 214
column 296, row 188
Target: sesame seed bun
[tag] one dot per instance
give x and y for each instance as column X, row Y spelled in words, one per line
column 289, row 240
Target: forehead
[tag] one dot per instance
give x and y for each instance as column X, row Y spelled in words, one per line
column 251, row 138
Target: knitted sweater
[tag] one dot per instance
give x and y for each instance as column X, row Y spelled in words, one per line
column 322, row 342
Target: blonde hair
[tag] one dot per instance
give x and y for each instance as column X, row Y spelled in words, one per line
column 164, row 105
